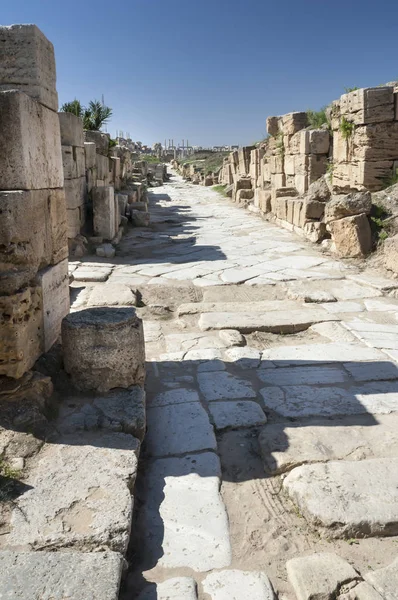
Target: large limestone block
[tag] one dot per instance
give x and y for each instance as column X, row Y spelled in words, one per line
column 341, row 206
column 350, row 498
column 21, row 331
column 313, row 209
column 273, row 125
column 104, row 348
column 236, row 585
column 78, row 495
column 368, row 105
column 317, row 165
column 74, row 219
column 54, row 283
column 352, row 236
column 71, row 128
column 104, row 220
column 28, row 63
column 385, row 580
column 376, row 142
column 276, row 164
column 289, row 164
column 104, row 168
column 90, row 152
column 30, row 144
column 60, row 575
column 73, row 162
column 75, row 192
column 32, row 228
column 319, row 576
column 371, row 175
column 316, row 141
column 293, row 122
column 101, row 141
column 390, row 253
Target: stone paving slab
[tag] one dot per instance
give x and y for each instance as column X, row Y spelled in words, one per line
column 385, row 580
column 183, row 518
column 321, row 575
column 238, row 585
column 79, row 495
column 285, row 445
column 274, row 321
column 60, row 575
column 246, row 357
column 230, row 414
column 308, row 354
column 236, row 307
column 350, row 498
column 97, row 274
column 224, row 386
column 306, row 375
column 174, row 396
column 178, row 429
column 178, row 588
column 115, row 294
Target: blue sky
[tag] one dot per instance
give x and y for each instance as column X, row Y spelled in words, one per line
column 212, row 71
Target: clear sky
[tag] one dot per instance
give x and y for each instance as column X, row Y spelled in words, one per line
column 212, row 70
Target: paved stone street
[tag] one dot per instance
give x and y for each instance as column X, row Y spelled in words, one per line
column 270, row 460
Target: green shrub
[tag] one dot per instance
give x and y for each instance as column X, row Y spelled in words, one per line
column 347, row 90
column 317, row 118
column 347, row 128
column 220, row 189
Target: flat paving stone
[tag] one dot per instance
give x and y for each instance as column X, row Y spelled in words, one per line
column 373, row 371
column 238, row 585
column 224, row 386
column 184, row 521
column 246, row 357
column 178, row 429
column 343, row 307
column 381, row 304
column 350, row 498
column 308, row 354
column 235, row 414
column 274, row 321
column 177, row 588
column 175, row 396
column 321, row 575
column 60, row 575
column 307, row 375
column 385, row 580
column 96, row 274
column 236, row 307
column 285, row 446
column 79, row 496
column 116, row 294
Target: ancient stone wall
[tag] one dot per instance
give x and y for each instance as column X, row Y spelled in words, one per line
column 34, row 283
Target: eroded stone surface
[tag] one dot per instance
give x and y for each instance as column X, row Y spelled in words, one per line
column 236, row 414
column 178, row 588
column 385, row 580
column 223, row 386
column 236, row 585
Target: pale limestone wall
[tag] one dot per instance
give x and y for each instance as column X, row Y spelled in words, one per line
column 34, row 283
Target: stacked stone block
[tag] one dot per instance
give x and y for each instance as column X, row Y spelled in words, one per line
column 34, row 284
column 74, row 164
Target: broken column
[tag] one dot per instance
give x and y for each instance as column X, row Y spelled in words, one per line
column 104, row 348
column 34, row 284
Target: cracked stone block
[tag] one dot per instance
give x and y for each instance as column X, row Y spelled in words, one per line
column 178, row 588
column 236, row 585
column 182, row 504
column 71, row 500
column 320, row 575
column 28, row 63
column 349, row 498
column 104, row 220
column 235, row 414
column 30, row 144
column 60, row 575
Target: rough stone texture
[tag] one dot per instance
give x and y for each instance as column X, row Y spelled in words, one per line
column 104, row 348
column 71, row 501
column 351, row 499
column 285, row 445
column 368, row 105
column 390, row 251
column 348, row 205
column 60, row 575
column 28, row 63
column 54, row 284
column 104, row 220
column 182, row 502
column 231, row 337
column 319, row 576
column 352, row 236
column 236, row 585
column 115, row 294
column 385, row 580
column 222, row 386
column 71, row 131
column 178, row 588
column 362, row 591
column 75, row 192
column 33, row 227
column 308, row 354
column 30, row 144
column 231, row 414
column 101, row 141
column 177, row 429
column 277, row 321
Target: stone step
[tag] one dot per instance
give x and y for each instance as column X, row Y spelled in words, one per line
column 238, row 585
column 274, row 322
column 79, row 496
column 349, row 498
column 285, row 446
column 60, row 575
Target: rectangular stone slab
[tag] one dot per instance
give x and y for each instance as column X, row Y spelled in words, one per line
column 79, row 495
column 275, row 322
column 349, row 498
column 309, row 354
column 60, row 575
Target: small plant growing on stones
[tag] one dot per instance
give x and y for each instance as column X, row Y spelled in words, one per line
column 379, row 224
column 280, row 146
column 346, row 128
column 8, row 475
column 318, row 118
column 347, row 90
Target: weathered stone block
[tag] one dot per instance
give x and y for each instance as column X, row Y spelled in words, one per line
column 32, row 228
column 370, row 175
column 352, row 236
column 28, row 63
column 104, row 348
column 317, row 165
column 54, row 284
column 289, row 164
column 317, row 141
column 375, row 142
column 71, row 128
column 21, row 331
column 278, row 181
column 281, row 208
column 264, row 200
column 293, row 122
column 368, row 105
column 104, row 168
column 292, row 143
column 101, row 141
column 73, row 162
column 341, row 206
column 115, row 167
column 90, row 152
column 297, row 213
column 313, row 209
column 75, row 192
column 273, row 125
column 390, row 251
column 301, row 182
column 243, row 195
column 30, row 144
column 104, row 212
column 73, row 222
column 290, row 209
column 276, row 164
column 315, row 232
